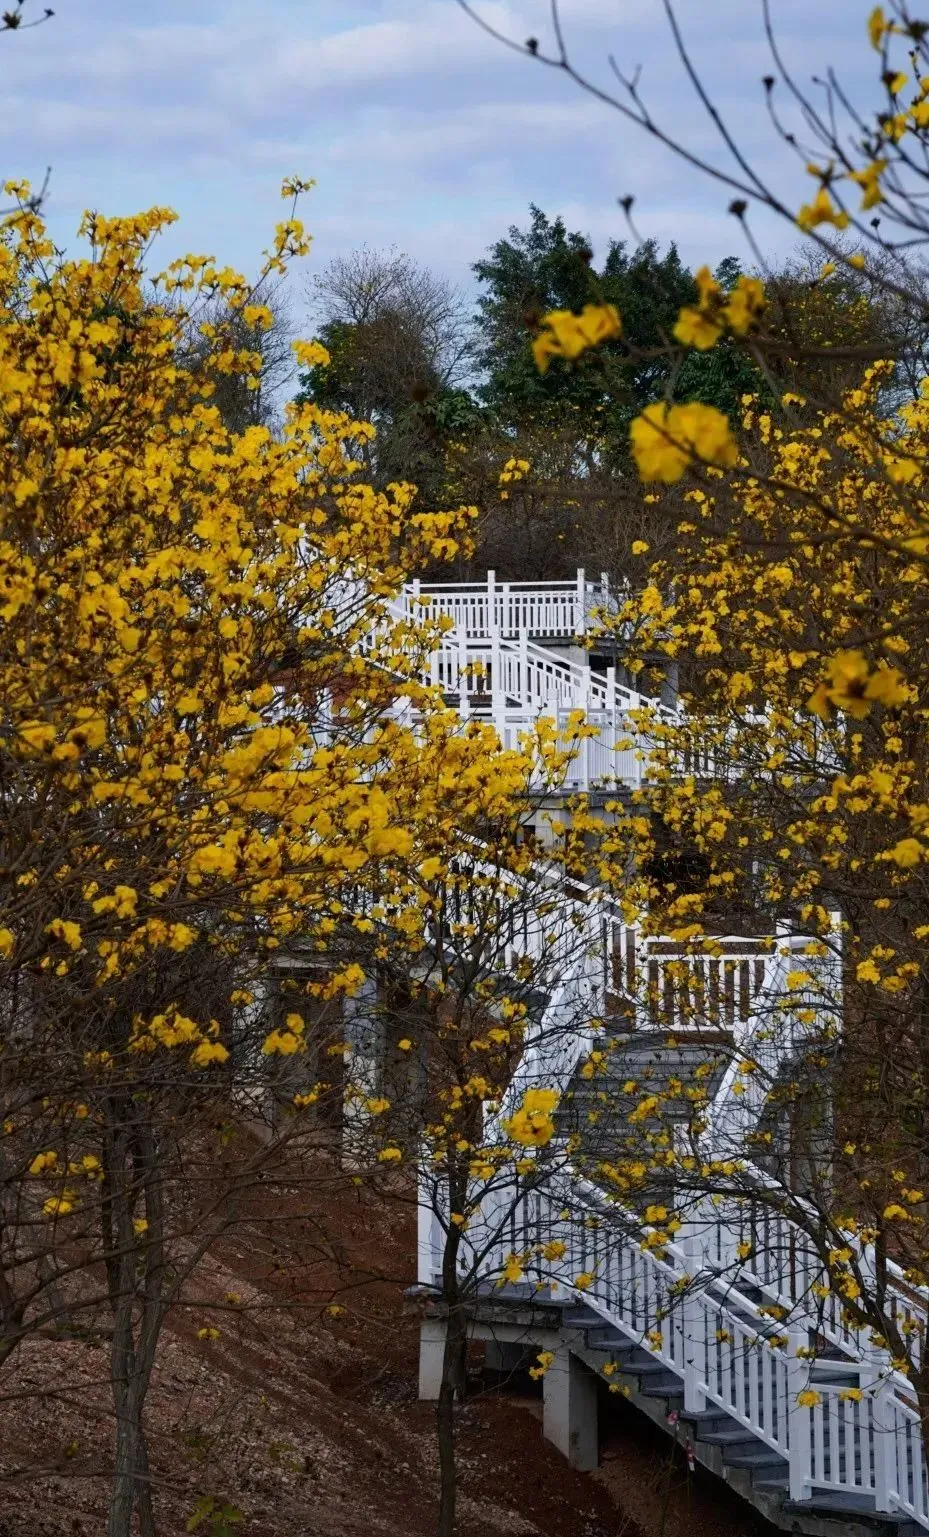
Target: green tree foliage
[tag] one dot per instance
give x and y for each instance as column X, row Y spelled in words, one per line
column 547, row 266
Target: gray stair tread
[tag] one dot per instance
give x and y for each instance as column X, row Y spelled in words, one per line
column 661, row 1387
column 729, row 1437
column 834, row 1502
column 581, row 1317
column 763, row 1457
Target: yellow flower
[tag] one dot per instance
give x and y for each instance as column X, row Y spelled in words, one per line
column 745, row 305
column 877, row 26
column 545, row 1359
column 543, row 1100
column 7, row 941
column 566, row 335
column 37, row 735
column 667, row 440
column 822, row 210
column 869, row 180
column 208, row 1052
column 907, row 853
column 311, row 354
column 57, row 1206
column 809, row 1398
column 584, row 1281
column 694, row 328
column 282, row 1043
column 532, row 1124
column 852, row 687
column 63, row 929
column 389, row 1155
column 512, row 1271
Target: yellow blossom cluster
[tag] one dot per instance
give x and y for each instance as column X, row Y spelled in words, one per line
column 717, row 310
column 667, row 440
column 532, row 1124
column 564, row 334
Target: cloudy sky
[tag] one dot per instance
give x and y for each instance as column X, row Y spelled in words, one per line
column 418, row 128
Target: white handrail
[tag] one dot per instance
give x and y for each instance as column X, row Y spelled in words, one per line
column 553, row 610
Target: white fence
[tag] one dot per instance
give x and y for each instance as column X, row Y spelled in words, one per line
column 547, row 610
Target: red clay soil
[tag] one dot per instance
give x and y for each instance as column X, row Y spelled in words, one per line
column 308, row 1424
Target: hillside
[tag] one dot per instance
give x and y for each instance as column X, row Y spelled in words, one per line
column 307, row 1423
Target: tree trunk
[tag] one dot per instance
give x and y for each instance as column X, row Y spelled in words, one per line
column 453, row 1358
column 452, row 1387
column 138, row 1306
column 127, row 1464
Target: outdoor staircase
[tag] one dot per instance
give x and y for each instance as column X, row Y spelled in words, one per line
column 518, row 651
column 607, row 1107
column 690, row 1326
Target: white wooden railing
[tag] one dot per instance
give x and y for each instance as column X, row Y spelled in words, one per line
column 695, row 1306
column 546, row 610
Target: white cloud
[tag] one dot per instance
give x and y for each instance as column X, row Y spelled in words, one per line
column 419, row 127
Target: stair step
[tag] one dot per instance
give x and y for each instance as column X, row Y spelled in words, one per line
column 709, row 1419
column 611, row 1339
column 735, row 1435
column 660, row 1387
column 580, row 1318
column 772, row 1478
column 760, row 1456
column 839, row 1504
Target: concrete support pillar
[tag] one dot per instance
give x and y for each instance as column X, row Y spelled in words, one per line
column 569, row 1409
column 431, row 1354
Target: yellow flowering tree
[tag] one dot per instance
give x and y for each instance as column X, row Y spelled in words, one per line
column 205, row 750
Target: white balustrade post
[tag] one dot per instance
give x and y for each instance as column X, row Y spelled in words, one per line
column 879, row 1392
column 798, row 1418
column 507, row 627
column 497, row 691
column 492, row 620
column 428, row 1236
column 417, row 611
column 522, row 682
column 581, row 602
column 464, row 702
column 693, row 1324
column 584, row 704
